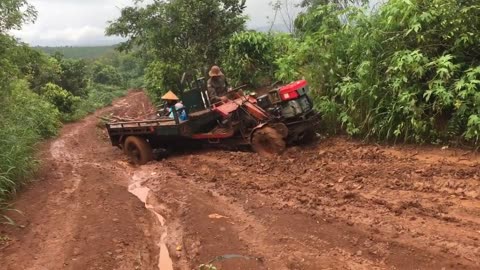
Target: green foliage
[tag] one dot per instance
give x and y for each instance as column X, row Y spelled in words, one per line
column 31, row 110
column 99, row 96
column 61, row 98
column 161, row 77
column 286, row 49
column 311, row 4
column 39, row 69
column 74, row 77
column 106, row 74
column 14, row 13
column 37, row 91
column 25, row 119
column 178, row 35
column 408, row 71
column 256, row 58
column 249, row 58
column 32, row 104
column 8, row 69
column 131, row 66
column 91, row 52
column 180, row 31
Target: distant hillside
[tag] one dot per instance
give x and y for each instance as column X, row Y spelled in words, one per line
column 78, row 52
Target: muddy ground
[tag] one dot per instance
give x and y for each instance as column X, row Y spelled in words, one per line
column 336, row 204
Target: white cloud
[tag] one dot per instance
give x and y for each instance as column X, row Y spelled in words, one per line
column 71, row 22
column 85, row 35
column 261, row 12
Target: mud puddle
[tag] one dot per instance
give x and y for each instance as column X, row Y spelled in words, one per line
column 144, row 194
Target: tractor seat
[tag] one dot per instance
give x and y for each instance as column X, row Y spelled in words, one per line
column 199, row 114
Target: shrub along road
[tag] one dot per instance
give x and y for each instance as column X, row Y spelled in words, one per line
column 338, row 204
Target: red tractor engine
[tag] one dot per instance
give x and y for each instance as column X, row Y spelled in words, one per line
column 293, row 107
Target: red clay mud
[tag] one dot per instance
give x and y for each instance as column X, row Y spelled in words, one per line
column 335, row 204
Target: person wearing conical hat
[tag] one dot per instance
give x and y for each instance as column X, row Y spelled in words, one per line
column 170, row 100
column 217, row 85
column 173, row 103
column 170, row 96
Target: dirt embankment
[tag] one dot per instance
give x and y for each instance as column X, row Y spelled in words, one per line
column 337, row 204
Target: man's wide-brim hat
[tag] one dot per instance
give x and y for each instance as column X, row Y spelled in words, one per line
column 170, row 96
column 215, row 72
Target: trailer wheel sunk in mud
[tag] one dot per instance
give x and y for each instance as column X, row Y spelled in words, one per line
column 267, row 124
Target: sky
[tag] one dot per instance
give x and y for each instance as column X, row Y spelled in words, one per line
column 76, row 23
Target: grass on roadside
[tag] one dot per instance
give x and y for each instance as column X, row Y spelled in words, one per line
column 26, row 119
column 99, row 96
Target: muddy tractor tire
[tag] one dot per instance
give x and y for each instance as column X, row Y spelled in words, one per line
column 138, row 150
column 308, row 136
column 268, row 142
column 281, row 128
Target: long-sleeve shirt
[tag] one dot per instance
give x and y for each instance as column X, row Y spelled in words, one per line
column 217, row 87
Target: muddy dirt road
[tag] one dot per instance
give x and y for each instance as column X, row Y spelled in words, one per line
column 338, row 204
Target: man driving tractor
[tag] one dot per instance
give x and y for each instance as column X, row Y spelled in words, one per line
column 217, row 85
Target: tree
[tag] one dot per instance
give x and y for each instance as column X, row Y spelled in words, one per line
column 61, row 98
column 130, row 66
column 408, row 71
column 185, row 33
column 36, row 67
column 286, row 10
column 8, row 69
column 106, row 74
column 250, row 58
column 342, row 4
column 14, row 13
column 74, row 77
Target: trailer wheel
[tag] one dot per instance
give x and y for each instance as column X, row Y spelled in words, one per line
column 138, row 150
column 268, row 142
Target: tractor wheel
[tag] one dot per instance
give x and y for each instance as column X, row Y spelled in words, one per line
column 268, row 142
column 308, row 136
column 281, row 128
column 138, row 150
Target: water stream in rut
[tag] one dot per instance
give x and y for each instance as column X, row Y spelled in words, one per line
column 143, row 194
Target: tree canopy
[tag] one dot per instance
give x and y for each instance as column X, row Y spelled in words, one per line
column 14, row 13
column 181, row 31
column 179, row 35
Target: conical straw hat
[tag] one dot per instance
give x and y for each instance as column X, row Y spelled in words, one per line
column 170, row 96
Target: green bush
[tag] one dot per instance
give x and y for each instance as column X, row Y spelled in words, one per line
column 74, row 77
column 250, row 58
column 61, row 98
column 98, row 97
column 259, row 58
column 25, row 119
column 161, row 77
column 106, row 74
column 408, row 71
